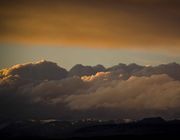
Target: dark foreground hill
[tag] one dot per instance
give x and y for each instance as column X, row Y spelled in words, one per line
column 87, row 128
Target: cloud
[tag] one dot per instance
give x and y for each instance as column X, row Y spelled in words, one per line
column 80, row 70
column 171, row 69
column 117, row 92
column 55, row 91
column 158, row 92
column 97, row 76
column 42, row 70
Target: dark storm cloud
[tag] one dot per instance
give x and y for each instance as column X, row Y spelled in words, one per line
column 116, row 89
column 41, row 70
column 96, row 23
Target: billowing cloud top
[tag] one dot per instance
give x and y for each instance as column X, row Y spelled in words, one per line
column 41, row 70
column 44, row 90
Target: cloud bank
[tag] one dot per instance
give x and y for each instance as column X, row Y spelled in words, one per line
column 154, row 92
column 44, row 90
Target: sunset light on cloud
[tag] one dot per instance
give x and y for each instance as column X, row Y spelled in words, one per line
column 87, row 62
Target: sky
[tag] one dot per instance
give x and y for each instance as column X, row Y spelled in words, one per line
column 67, row 57
column 89, row 32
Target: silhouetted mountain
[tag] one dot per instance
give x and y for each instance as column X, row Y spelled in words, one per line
column 156, row 120
column 87, row 128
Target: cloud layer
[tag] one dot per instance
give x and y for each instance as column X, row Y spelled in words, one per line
column 136, row 93
column 44, row 90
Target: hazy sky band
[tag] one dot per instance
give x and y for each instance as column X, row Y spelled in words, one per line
column 69, row 56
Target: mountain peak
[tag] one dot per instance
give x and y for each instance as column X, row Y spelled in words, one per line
column 153, row 120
